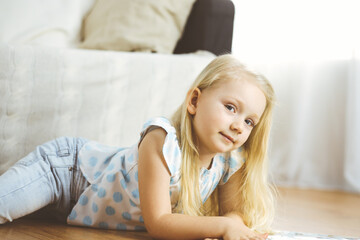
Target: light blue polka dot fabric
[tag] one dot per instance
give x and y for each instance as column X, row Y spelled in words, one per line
column 112, row 199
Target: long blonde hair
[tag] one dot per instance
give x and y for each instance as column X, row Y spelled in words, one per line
column 256, row 204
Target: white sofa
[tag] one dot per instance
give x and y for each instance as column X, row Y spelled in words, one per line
column 51, row 87
column 101, row 95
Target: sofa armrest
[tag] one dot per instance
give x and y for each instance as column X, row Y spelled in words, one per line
column 208, row 27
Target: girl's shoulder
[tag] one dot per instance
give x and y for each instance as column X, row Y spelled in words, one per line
column 170, row 149
column 161, row 122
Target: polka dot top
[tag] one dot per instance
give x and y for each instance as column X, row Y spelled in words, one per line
column 112, row 199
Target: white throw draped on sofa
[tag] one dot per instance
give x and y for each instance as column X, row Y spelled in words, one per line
column 101, row 95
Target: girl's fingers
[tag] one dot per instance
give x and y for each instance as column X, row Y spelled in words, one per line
column 265, row 235
column 259, row 237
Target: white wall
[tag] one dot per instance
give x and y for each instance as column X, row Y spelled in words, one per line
column 309, row 50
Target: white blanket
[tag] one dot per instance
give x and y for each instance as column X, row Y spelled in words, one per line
column 101, row 95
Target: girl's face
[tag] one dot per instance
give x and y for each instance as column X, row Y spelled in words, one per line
column 224, row 115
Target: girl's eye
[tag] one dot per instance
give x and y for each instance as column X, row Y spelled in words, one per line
column 230, row 107
column 250, row 122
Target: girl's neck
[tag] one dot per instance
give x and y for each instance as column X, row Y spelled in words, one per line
column 206, row 161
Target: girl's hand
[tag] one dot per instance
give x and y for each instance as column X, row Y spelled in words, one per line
column 237, row 230
column 263, row 235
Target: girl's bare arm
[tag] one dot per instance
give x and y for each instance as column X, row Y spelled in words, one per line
column 154, row 180
column 228, row 199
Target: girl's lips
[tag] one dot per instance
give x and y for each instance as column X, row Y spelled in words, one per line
column 227, row 137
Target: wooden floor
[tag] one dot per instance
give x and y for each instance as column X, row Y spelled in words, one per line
column 308, row 211
column 322, row 212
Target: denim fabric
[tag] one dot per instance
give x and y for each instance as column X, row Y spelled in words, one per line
column 49, row 176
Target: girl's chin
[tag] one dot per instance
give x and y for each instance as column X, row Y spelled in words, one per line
column 224, row 149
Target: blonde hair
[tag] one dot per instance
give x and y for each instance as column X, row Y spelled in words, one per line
column 256, row 204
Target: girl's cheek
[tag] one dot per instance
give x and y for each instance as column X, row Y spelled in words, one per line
column 245, row 138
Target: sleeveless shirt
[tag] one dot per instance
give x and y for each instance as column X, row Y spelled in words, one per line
column 111, row 201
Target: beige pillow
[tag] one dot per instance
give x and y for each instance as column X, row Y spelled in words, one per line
column 136, row 25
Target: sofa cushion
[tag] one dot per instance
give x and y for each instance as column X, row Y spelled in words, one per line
column 135, row 25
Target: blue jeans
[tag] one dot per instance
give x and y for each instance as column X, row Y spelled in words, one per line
column 49, row 176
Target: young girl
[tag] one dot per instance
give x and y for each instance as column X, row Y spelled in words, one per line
column 202, row 174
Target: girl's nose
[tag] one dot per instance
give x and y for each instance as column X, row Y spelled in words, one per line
column 237, row 126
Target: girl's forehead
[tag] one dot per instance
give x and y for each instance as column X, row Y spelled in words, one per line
column 244, row 91
column 231, row 84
